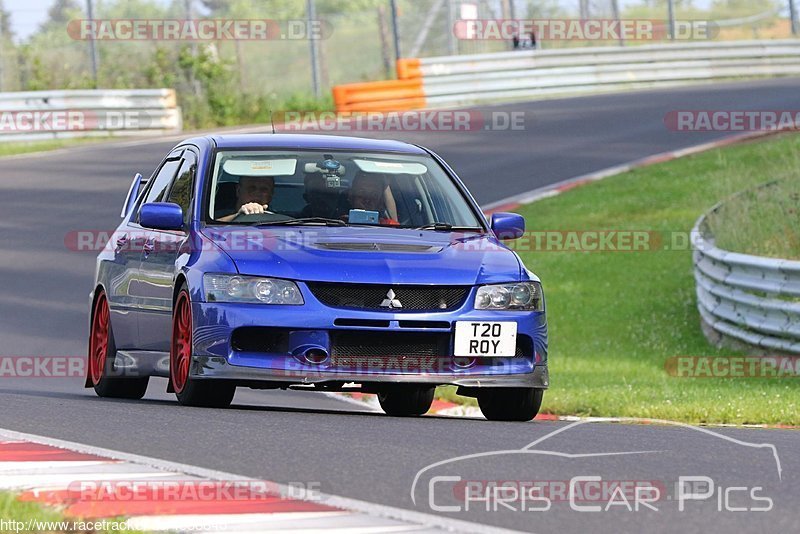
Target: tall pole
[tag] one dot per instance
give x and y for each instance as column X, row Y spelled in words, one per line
column 193, row 81
column 451, row 36
column 2, row 49
column 92, row 45
column 311, row 14
column 395, row 29
column 793, row 17
column 615, row 14
column 671, row 15
column 386, row 54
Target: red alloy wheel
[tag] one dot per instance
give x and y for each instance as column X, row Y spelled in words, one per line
column 98, row 344
column 181, row 342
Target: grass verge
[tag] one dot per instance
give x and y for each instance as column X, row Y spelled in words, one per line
column 764, row 221
column 30, row 517
column 616, row 317
column 12, row 148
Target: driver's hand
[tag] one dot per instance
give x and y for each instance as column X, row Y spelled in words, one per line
column 253, row 208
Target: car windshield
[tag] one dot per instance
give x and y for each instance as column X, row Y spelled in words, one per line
column 335, row 188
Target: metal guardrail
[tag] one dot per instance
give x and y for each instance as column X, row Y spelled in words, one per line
column 752, row 299
column 36, row 115
column 470, row 79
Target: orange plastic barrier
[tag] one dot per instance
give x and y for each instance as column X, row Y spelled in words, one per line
column 408, row 68
column 403, row 94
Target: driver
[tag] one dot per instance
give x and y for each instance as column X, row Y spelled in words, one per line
column 254, row 194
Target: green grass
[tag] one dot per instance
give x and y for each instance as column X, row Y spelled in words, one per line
column 764, row 221
column 10, row 148
column 23, row 512
column 448, row 393
column 12, row 509
column 615, row 317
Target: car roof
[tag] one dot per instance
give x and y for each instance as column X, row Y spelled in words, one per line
column 311, row 141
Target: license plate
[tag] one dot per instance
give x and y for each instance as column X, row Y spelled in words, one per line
column 485, row 339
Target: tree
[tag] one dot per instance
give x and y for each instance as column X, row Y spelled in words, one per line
column 5, row 22
column 61, row 12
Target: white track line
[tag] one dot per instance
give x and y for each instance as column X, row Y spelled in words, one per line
column 346, row 503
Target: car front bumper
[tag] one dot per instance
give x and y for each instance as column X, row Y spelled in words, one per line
column 218, row 368
column 216, row 356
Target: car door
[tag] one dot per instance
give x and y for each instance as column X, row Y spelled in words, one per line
column 141, row 290
column 158, row 262
column 120, row 276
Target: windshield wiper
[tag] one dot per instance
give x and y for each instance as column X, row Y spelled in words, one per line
column 447, row 227
column 303, row 221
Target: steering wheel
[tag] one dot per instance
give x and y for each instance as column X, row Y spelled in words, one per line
column 251, row 217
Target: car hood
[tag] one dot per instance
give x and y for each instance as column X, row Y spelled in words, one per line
column 368, row 255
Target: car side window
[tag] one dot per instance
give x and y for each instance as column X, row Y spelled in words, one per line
column 157, row 187
column 162, row 180
column 181, row 191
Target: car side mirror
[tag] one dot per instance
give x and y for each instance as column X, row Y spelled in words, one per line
column 161, row 216
column 133, row 194
column 508, row 225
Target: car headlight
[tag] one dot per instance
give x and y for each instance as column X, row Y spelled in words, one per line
column 254, row 289
column 523, row 296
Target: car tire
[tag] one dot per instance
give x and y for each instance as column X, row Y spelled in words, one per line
column 406, row 401
column 510, row 404
column 100, row 367
column 190, row 391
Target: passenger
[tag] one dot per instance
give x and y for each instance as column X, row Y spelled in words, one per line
column 254, row 193
column 322, row 201
column 372, row 193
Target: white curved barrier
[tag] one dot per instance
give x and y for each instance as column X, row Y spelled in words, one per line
column 753, row 299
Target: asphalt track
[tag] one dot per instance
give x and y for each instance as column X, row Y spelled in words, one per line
column 303, row 437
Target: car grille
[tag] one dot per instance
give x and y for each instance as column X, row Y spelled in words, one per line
column 354, row 346
column 372, row 296
column 395, row 351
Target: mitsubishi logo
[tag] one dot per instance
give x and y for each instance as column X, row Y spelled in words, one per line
column 390, row 301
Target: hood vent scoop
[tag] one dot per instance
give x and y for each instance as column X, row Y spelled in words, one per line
column 380, row 247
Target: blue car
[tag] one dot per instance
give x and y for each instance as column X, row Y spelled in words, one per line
column 320, row 263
